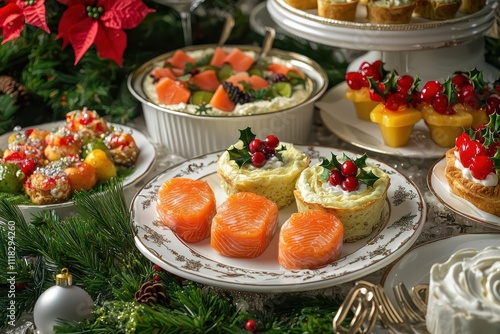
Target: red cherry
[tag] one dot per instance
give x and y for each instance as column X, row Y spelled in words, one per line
column 462, row 139
column 492, row 104
column 269, row 150
column 405, row 82
column 350, row 183
column 494, row 149
column 394, row 101
column 156, row 278
column 255, row 145
column 460, row 80
column 481, row 166
column 258, row 159
column 272, row 141
column 377, row 66
column 356, row 80
column 251, row 326
column 336, row 177
column 368, row 70
column 28, row 166
column 440, row 104
column 349, row 168
column 469, row 150
column 429, row 91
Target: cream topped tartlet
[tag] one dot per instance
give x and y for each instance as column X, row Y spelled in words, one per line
column 390, row 11
column 266, row 167
column 349, row 188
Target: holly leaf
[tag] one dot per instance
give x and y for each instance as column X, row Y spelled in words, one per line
column 246, row 136
column 450, row 92
column 496, row 160
column 361, row 161
column 328, row 166
column 376, row 89
column 240, row 156
column 367, row 177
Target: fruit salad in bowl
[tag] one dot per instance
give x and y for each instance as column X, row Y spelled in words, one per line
column 194, row 99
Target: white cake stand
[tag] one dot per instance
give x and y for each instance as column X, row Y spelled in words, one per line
column 433, row 50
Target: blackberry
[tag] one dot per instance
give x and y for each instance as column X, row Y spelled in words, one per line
column 235, row 94
column 278, row 77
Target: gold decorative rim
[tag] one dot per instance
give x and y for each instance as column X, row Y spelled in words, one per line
column 487, row 10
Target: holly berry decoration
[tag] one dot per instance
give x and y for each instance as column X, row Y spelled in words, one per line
column 395, row 91
column 471, row 88
column 442, row 97
column 359, row 79
column 348, row 173
column 479, row 149
column 256, row 151
column 251, row 326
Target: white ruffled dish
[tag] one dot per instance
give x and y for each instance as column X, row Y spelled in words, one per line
column 340, row 118
column 404, row 217
column 414, row 267
column 438, row 185
column 145, row 160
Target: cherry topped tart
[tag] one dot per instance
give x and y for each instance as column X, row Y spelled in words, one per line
column 358, row 90
column 267, row 167
column 396, row 111
column 473, row 166
column 472, row 93
column 441, row 113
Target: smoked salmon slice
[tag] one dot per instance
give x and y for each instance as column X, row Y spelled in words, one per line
column 187, row 207
column 171, row 91
column 244, row 225
column 310, row 239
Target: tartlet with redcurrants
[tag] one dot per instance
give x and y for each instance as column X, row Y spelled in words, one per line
column 358, row 87
column 396, row 111
column 264, row 166
column 473, row 166
column 351, row 189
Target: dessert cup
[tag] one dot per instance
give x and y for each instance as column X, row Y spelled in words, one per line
column 395, row 126
column 436, row 10
column 343, row 11
column 362, row 102
column 389, row 15
column 445, row 129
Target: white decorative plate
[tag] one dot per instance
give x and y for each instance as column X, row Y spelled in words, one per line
column 414, row 267
column 438, row 185
column 339, row 117
column 404, row 217
column 419, row 34
column 145, row 160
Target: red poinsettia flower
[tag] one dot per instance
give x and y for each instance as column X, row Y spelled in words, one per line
column 17, row 12
column 100, row 22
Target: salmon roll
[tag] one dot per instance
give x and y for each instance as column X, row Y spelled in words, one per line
column 244, row 225
column 310, row 239
column 187, row 207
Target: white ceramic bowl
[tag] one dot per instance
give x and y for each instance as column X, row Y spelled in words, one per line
column 192, row 135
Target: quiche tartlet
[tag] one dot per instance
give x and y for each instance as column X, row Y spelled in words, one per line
column 343, row 10
column 266, row 167
column 352, row 190
column 390, row 11
column 437, row 9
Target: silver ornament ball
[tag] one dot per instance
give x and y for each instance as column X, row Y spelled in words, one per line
column 62, row 301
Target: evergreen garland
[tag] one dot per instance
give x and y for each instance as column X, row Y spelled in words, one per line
column 97, row 246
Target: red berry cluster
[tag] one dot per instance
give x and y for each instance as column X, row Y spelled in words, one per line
column 475, row 156
column 395, row 91
column 468, row 89
column 345, row 177
column 262, row 150
column 479, row 149
column 359, row 79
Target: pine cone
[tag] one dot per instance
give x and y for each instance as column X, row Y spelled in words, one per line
column 151, row 292
column 9, row 86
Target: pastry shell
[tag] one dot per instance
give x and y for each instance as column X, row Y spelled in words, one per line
column 482, row 197
column 434, row 10
column 389, row 15
column 338, row 11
